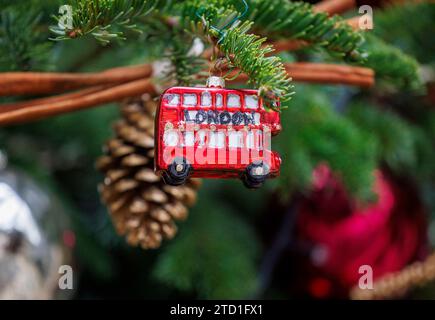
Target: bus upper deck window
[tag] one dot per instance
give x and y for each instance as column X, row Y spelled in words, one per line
column 233, row 101
column 171, row 99
column 190, row 100
column 251, row 101
column 219, row 100
column 206, row 99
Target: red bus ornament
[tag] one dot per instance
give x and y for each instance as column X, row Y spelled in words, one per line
column 213, row 132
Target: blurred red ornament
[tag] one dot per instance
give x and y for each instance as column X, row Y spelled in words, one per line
column 343, row 235
column 320, row 287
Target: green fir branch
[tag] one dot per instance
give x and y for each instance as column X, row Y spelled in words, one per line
column 246, row 52
column 395, row 138
column 220, row 20
column 391, row 65
column 214, row 255
column 284, row 19
column 413, row 38
column 319, row 135
column 23, row 44
column 401, row 144
column 297, row 20
column 186, row 66
column 177, row 46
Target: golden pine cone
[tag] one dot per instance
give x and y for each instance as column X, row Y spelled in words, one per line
column 142, row 206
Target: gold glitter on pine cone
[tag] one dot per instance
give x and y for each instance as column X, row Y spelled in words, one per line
column 142, row 206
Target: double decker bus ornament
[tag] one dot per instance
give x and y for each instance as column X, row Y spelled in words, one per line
column 214, row 132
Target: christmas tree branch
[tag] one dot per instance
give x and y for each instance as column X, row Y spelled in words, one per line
column 302, row 21
column 101, row 18
column 220, row 21
column 291, row 44
column 245, row 52
column 65, row 105
column 284, row 19
column 392, row 65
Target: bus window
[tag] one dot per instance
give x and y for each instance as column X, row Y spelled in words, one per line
column 172, row 100
column 219, row 100
column 251, row 101
column 260, row 140
column 217, row 140
column 235, row 139
column 201, row 138
column 254, row 140
column 233, row 101
column 206, row 99
column 170, row 138
column 257, row 118
column 190, row 99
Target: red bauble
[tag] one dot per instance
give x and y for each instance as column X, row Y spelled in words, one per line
column 343, row 235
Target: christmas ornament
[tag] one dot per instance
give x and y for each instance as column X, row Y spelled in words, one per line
column 397, row 284
column 32, row 239
column 214, row 132
column 142, row 207
column 344, row 236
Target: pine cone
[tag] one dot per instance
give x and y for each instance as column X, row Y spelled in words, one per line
column 142, row 206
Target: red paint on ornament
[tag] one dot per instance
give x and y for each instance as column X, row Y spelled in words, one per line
column 320, row 288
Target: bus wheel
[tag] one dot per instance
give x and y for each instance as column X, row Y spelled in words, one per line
column 255, row 175
column 177, row 173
